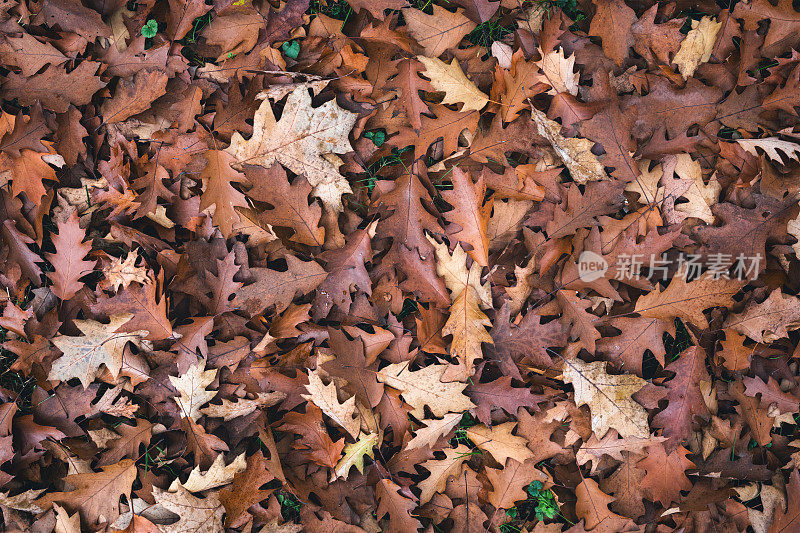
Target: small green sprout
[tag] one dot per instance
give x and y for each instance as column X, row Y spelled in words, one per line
column 150, row 29
column 546, row 506
column 291, row 49
column 378, row 137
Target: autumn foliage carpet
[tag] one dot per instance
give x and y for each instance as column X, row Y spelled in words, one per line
column 369, row 265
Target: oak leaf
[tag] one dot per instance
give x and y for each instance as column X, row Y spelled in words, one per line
column 608, row 397
column 557, row 72
column 499, row 442
column 441, row 470
column 772, row 147
column 467, row 324
column 325, row 397
column 100, row 344
column 434, row 429
column 509, row 482
column 272, row 287
column 126, row 442
column 450, row 79
column 305, row 140
column 424, row 387
column 665, row 478
column 123, row 272
column 698, row 45
column 786, row 520
column 769, row 320
column 242, row 406
column 191, row 387
column 218, row 177
column 314, row 442
column 437, row 32
column 55, row 88
column 96, row 494
column 685, row 399
column 612, row 23
column 470, row 214
column 289, row 201
column 134, row 96
column 68, row 259
column 592, row 507
column 687, row 300
column 29, row 54
column 457, row 277
column 354, row 454
column 245, row 490
column 398, row 505
column 575, row 153
column 219, row 474
column 520, row 84
column 199, row 515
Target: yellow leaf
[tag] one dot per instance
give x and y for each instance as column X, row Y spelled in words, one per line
column 354, row 455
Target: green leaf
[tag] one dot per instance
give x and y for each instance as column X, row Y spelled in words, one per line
column 150, row 29
column 291, row 49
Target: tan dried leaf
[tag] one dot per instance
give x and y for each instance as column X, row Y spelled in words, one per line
column 192, row 389
column 441, row 470
column 438, row 32
column 66, row 523
column 608, row 398
column 450, row 79
column 305, row 140
column 424, row 387
column 198, row 515
column 243, row 406
column 698, row 45
column 99, row 345
column 771, row 147
column 574, row 152
column 435, row 429
column 557, row 72
column 453, row 268
column 217, row 475
column 123, row 272
column 499, row 442
column 325, row 397
column 467, row 324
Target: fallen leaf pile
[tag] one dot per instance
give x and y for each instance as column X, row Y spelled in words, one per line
column 349, row 266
